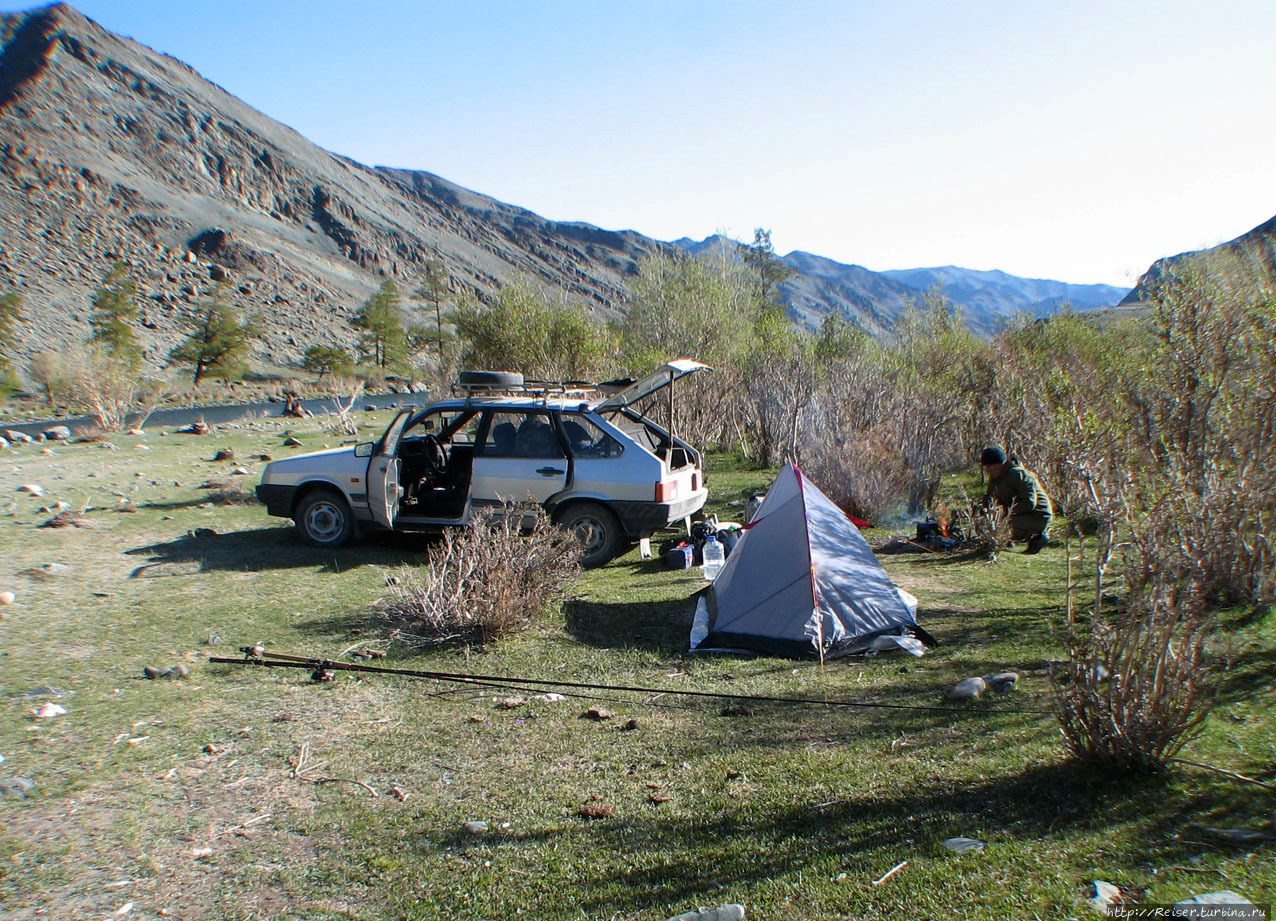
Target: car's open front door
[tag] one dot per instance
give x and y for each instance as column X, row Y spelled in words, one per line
column 383, row 473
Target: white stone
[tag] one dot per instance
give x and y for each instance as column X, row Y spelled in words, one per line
column 963, row 845
column 1002, row 682
column 47, row 710
column 1197, row 907
column 33, row 488
column 1105, row 896
column 967, row 689
column 8, row 597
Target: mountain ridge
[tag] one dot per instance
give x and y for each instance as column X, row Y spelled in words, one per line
column 1246, row 263
column 112, row 151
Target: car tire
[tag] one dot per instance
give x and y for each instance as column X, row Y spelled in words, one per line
column 324, row 519
column 598, row 530
column 492, row 379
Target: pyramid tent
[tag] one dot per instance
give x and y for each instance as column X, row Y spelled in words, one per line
column 803, row 582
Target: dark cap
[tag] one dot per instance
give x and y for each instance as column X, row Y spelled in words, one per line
column 993, row 454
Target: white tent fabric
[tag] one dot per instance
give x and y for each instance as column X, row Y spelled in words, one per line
column 802, row 581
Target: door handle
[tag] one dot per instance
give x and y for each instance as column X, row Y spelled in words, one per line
column 550, row 471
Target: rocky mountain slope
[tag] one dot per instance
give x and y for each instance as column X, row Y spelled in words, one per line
column 111, row 151
column 1247, row 264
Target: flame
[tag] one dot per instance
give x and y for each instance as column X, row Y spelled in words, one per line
column 941, row 516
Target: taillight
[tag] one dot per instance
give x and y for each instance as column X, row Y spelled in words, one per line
column 666, row 491
column 695, row 481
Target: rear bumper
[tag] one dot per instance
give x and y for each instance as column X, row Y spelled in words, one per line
column 640, row 519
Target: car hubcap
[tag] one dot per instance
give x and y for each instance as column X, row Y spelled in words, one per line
column 324, row 522
column 591, row 534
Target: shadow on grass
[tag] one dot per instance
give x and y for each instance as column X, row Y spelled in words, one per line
column 661, row 626
column 1248, row 675
column 688, row 859
column 206, row 550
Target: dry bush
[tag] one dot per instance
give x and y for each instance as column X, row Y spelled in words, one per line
column 1138, row 683
column 69, row 518
column 486, row 580
column 863, row 476
column 342, row 421
column 233, row 494
column 987, row 527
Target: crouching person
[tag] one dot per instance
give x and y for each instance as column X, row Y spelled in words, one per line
column 1017, row 490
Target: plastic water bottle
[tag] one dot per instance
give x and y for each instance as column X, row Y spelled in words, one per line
column 714, row 558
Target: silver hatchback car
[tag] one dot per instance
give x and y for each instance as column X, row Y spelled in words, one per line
column 586, row 453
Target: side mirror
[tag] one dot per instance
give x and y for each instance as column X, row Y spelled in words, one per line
column 364, row 449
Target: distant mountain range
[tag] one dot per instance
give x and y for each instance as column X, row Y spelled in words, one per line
column 111, row 151
column 875, row 300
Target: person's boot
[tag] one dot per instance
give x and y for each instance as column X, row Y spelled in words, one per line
column 1036, row 543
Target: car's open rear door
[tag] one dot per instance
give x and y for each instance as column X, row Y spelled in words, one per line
column 383, row 473
column 634, row 391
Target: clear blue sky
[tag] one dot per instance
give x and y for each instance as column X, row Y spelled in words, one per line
column 1075, row 139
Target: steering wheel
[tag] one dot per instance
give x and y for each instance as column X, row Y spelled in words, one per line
column 435, row 455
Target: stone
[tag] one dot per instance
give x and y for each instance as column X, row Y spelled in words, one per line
column 1105, row 896
column 58, row 433
column 1002, row 682
column 967, row 689
column 475, row 828
column 48, row 711
column 1198, row 906
column 16, row 786
column 17, row 438
column 8, row 597
column 732, row 912
column 291, row 442
column 963, row 845
column 33, row 488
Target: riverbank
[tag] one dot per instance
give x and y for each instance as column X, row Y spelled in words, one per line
column 217, row 413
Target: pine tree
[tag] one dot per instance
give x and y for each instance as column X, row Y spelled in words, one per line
column 771, row 272
column 384, row 340
column 114, row 309
column 434, row 289
column 218, row 343
column 10, row 317
column 326, row 359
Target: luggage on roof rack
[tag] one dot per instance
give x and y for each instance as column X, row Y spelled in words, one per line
column 512, row 383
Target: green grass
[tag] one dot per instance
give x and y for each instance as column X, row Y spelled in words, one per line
column 791, row 810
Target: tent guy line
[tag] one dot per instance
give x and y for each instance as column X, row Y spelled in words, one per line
column 319, row 665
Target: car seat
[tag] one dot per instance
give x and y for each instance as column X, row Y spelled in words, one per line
column 501, row 442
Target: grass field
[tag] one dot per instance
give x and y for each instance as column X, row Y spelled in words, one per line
column 183, row 798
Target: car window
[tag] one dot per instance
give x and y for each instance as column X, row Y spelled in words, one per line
column 512, row 434
column 467, row 430
column 439, row 423
column 585, row 439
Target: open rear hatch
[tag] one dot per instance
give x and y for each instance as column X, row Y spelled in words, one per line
column 627, row 393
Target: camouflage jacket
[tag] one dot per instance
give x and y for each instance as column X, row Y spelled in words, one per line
column 1019, row 492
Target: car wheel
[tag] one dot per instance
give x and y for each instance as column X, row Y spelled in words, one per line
column 597, row 529
column 324, row 520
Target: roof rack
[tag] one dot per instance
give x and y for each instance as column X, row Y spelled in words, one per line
column 479, row 384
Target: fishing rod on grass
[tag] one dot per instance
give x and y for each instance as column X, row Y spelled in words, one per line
column 325, row 670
